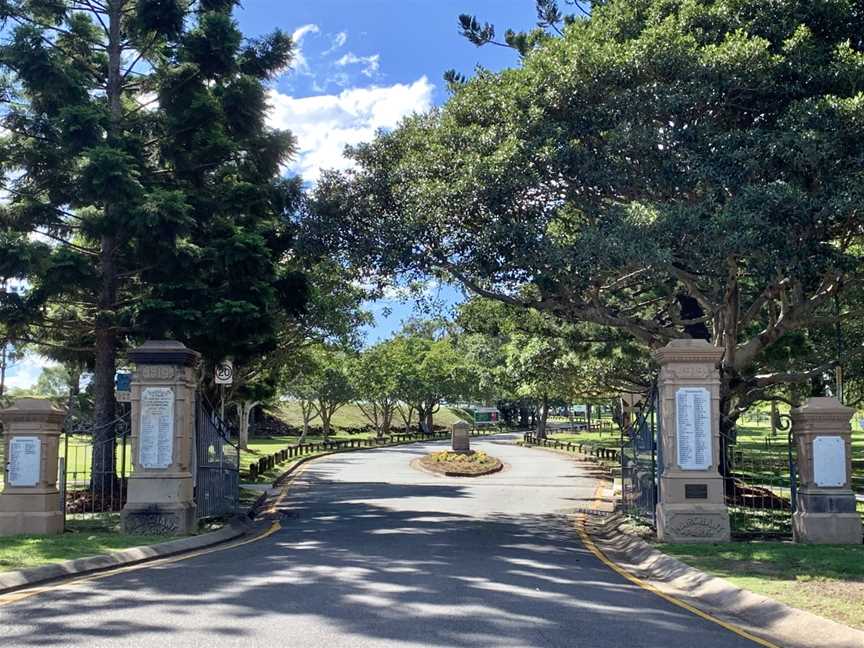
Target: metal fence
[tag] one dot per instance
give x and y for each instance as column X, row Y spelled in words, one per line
column 94, row 469
column 640, row 478
column 217, row 474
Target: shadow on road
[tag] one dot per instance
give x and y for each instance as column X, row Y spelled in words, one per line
column 345, row 566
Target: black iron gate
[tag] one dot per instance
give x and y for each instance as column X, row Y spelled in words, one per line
column 217, row 484
column 640, row 477
column 760, row 475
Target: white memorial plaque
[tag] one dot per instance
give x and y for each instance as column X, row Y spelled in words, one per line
column 156, row 439
column 25, row 453
column 693, row 428
column 829, row 461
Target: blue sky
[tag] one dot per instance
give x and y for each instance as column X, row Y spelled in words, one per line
column 362, row 65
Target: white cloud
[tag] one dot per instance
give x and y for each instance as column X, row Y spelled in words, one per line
column 24, row 373
column 325, row 124
column 338, row 42
column 301, row 65
column 370, row 63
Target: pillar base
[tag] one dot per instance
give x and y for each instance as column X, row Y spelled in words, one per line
column 689, row 524
column 827, row 528
column 30, row 523
column 159, row 519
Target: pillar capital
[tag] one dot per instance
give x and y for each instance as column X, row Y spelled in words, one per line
column 688, row 351
column 164, row 352
column 34, row 410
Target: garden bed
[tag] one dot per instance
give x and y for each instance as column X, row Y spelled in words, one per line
column 461, row 464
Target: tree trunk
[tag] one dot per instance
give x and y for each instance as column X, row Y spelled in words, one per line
column 105, row 366
column 245, row 409
column 386, row 420
column 541, row 422
column 326, row 413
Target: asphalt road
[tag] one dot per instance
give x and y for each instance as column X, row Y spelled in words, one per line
column 375, row 553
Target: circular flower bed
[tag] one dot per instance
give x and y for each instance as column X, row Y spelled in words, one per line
column 461, row 464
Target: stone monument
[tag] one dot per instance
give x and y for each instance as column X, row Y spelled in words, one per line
column 160, row 495
column 692, row 505
column 30, row 502
column 825, row 504
column 460, row 440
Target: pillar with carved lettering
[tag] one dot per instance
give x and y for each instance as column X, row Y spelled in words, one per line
column 30, row 502
column 691, row 506
column 825, row 503
column 160, row 495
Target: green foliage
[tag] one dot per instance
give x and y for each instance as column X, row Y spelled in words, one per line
column 145, row 190
column 319, row 380
column 667, row 169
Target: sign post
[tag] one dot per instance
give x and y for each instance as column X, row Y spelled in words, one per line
column 224, row 376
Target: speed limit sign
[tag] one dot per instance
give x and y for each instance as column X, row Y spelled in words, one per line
column 224, row 373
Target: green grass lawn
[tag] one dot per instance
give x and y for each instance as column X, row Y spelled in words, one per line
column 827, row 580
column 22, row 551
column 350, row 419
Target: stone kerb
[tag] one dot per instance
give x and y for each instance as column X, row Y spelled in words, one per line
column 161, row 488
column 30, row 502
column 691, row 505
column 460, row 436
column 825, row 507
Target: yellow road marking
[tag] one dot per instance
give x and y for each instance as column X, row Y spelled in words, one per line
column 598, row 553
column 20, row 595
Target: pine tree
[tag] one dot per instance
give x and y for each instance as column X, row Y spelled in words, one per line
column 143, row 184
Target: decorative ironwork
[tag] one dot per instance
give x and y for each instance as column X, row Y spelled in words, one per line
column 217, row 483
column 94, row 469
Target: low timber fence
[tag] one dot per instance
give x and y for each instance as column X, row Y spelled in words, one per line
column 270, row 462
column 588, row 450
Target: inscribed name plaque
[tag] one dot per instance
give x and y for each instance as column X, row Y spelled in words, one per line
column 693, row 423
column 156, row 440
column 24, row 459
column 829, row 461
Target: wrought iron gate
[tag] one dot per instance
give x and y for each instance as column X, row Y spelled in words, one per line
column 93, row 470
column 217, row 484
column 760, row 476
column 640, row 478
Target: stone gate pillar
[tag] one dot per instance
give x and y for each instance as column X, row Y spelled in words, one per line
column 825, row 504
column 691, row 506
column 160, row 495
column 30, row 502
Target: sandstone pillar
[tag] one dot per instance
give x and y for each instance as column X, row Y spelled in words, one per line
column 459, row 436
column 160, row 496
column 691, row 506
column 30, row 502
column 825, row 504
